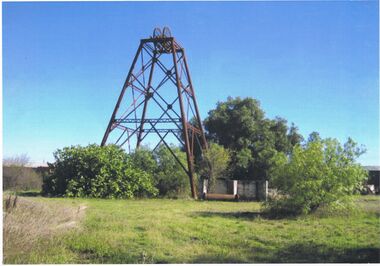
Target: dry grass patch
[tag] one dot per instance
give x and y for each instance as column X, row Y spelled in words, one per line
column 26, row 222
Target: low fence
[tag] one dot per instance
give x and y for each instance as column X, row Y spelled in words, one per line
column 246, row 189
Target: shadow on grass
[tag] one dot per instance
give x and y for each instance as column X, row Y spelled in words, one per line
column 243, row 215
column 240, row 215
column 29, row 193
column 312, row 253
column 218, row 259
column 298, row 253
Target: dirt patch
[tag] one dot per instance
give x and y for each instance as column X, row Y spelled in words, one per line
column 75, row 220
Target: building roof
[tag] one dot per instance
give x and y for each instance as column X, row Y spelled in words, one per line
column 372, row 168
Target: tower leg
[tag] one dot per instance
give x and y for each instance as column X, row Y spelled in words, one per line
column 108, row 130
column 184, row 126
column 204, row 142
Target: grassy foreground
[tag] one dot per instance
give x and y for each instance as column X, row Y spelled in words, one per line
column 186, row 231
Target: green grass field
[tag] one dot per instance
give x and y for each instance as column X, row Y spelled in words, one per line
column 187, row 231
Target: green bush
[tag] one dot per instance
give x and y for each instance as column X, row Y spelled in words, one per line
column 143, row 158
column 94, row 171
column 169, row 177
column 171, row 180
column 321, row 173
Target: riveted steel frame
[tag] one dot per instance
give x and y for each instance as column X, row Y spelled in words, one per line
column 143, row 93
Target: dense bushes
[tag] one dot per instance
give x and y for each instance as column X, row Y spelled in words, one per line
column 93, row 171
column 320, row 173
column 108, row 172
column 244, row 144
column 169, row 177
column 172, row 181
column 306, row 175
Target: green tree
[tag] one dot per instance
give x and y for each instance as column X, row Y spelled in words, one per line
column 94, row 171
column 320, row 173
column 170, row 178
column 215, row 163
column 240, row 126
column 314, row 136
column 143, row 158
column 294, row 137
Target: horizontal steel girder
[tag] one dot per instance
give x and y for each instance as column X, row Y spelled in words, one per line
column 152, row 120
column 162, row 130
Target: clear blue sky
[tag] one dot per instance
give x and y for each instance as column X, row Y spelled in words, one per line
column 313, row 63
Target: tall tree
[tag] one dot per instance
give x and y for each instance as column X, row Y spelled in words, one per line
column 240, row 125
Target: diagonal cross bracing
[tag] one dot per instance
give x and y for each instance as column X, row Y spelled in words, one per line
column 158, row 99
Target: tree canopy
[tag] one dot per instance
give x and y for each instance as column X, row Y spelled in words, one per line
column 240, row 125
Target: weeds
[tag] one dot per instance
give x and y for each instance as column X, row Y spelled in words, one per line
column 27, row 222
column 10, row 203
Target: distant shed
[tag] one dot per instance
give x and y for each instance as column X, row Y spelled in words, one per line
column 373, row 177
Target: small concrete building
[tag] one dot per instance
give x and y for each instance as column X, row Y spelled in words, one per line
column 245, row 189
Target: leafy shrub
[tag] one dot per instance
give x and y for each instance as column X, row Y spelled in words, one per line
column 143, row 158
column 321, row 173
column 348, row 208
column 169, row 177
column 171, row 180
column 94, row 171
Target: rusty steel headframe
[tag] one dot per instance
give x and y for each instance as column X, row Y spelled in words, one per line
column 158, row 67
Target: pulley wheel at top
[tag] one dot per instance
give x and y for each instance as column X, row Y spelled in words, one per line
column 166, row 32
column 157, row 33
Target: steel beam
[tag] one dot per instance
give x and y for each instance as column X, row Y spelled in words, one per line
column 184, row 127
column 120, row 97
column 156, row 48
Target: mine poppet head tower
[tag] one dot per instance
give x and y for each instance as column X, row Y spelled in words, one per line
column 158, row 99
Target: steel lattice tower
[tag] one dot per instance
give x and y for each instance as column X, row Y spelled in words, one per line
column 158, row 98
